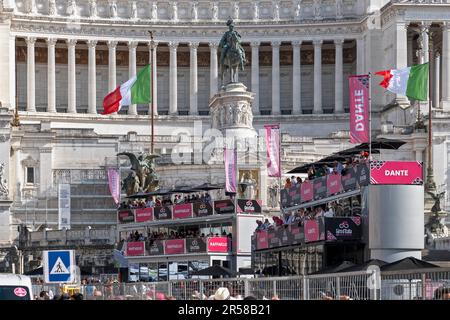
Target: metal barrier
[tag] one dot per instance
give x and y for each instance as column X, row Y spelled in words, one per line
column 362, row 285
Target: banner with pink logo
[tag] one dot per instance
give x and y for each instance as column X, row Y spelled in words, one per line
column 136, row 248
column 312, row 232
column 334, row 184
column 306, row 191
column 359, row 108
column 249, row 206
column 174, row 246
column 114, row 184
column 181, row 211
column 396, row 172
column 262, row 240
column 273, row 150
column 218, row 244
column 230, row 156
column 144, row 214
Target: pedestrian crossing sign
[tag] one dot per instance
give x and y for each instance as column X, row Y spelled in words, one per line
column 59, row 266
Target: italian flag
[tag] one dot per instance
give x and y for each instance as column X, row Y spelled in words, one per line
column 134, row 91
column 411, row 82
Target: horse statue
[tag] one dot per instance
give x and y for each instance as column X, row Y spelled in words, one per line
column 232, row 54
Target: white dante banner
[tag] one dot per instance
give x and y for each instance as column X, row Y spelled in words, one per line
column 63, row 206
column 230, row 169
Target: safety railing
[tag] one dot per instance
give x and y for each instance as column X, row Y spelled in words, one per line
column 372, row 284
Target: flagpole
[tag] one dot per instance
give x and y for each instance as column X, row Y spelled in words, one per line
column 430, row 185
column 370, row 120
column 151, row 92
column 279, row 160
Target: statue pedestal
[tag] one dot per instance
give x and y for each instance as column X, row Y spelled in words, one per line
column 231, row 111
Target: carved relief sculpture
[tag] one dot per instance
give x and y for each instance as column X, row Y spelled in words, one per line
column 154, row 10
column 32, row 9
column 236, row 10
column 93, row 8
column 339, row 13
column 4, row 191
column 215, row 11
column 144, row 178
column 174, row 11
column 317, row 9
column 133, row 11
column 113, row 9
column 52, row 8
column 297, row 10
column 276, row 10
column 72, row 9
column 194, row 11
column 255, row 10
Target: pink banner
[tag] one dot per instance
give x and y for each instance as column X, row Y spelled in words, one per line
column 136, row 248
column 312, row 232
column 230, row 170
column 334, row 184
column 396, row 172
column 218, row 244
column 273, row 150
column 181, row 211
column 174, row 246
column 306, row 191
column 359, row 108
column 262, row 240
column 114, row 184
column 144, row 214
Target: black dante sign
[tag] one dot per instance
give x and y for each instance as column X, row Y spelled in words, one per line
column 202, row 209
column 223, row 207
column 343, row 228
column 156, row 247
column 125, row 216
column 194, row 245
column 162, row 213
column 320, row 187
column 248, row 206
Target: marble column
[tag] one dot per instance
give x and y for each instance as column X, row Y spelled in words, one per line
column 360, row 56
column 173, row 94
column 436, row 84
column 132, row 109
column 51, row 73
column 276, row 77
column 446, row 66
column 410, row 49
column 92, row 78
column 338, row 78
column 193, row 88
column 31, row 74
column 317, row 76
column 71, row 76
column 424, row 29
column 213, row 70
column 296, row 78
column 255, row 75
column 401, row 55
column 152, row 47
column 112, row 65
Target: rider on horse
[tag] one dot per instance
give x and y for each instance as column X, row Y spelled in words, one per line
column 227, row 42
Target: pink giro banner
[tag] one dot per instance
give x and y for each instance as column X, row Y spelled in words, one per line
column 144, row 214
column 273, row 150
column 306, row 191
column 312, row 232
column 334, row 184
column 174, row 246
column 181, row 211
column 218, row 244
column 136, row 248
column 396, row 172
column 114, row 184
column 230, row 156
column 359, row 108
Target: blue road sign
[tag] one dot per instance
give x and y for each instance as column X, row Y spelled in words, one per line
column 59, row 266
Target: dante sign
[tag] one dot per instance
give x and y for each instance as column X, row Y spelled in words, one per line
column 396, row 172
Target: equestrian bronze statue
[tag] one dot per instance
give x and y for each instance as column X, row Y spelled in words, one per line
column 232, row 54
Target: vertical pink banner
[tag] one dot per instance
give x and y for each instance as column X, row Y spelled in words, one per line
column 114, row 184
column 230, row 169
column 359, row 108
column 273, row 149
